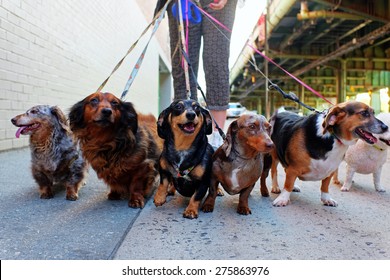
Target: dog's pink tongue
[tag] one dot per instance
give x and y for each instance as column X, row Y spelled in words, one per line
column 19, row 131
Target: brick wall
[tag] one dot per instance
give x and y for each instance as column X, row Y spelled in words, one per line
column 57, row 52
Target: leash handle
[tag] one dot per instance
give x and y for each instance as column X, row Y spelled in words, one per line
column 191, row 13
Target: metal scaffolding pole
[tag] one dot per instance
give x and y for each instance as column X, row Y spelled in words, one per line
column 267, row 101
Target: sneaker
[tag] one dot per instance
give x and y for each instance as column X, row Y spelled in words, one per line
column 215, row 140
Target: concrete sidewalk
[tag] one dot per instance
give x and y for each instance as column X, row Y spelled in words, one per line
column 32, row 228
column 95, row 228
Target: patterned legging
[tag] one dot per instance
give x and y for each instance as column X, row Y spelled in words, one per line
column 216, row 50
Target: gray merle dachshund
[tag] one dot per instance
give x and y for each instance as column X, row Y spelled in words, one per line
column 54, row 154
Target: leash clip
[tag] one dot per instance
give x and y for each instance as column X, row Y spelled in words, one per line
column 292, row 96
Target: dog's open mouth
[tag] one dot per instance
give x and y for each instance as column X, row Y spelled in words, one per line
column 26, row 129
column 188, row 127
column 366, row 136
column 387, row 142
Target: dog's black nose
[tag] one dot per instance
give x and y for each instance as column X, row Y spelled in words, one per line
column 13, row 120
column 384, row 127
column 190, row 115
column 106, row 112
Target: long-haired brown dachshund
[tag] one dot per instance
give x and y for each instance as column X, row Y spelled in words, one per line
column 120, row 145
column 54, row 155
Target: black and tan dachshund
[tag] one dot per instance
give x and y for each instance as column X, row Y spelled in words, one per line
column 186, row 160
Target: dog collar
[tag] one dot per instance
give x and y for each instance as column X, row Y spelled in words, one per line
column 245, row 158
column 334, row 135
column 184, row 173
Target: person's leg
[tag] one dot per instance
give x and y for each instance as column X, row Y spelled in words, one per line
column 220, row 117
column 216, row 51
column 194, row 42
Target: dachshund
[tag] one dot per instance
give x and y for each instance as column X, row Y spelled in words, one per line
column 185, row 162
column 312, row 147
column 121, row 145
column 54, row 154
column 238, row 163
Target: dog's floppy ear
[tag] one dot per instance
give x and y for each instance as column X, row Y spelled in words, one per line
column 76, row 116
column 334, row 116
column 56, row 111
column 129, row 116
column 162, row 123
column 230, row 135
column 208, row 121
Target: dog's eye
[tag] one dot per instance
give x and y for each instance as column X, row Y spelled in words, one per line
column 178, row 107
column 252, row 126
column 114, row 103
column 365, row 114
column 34, row 111
column 94, row 101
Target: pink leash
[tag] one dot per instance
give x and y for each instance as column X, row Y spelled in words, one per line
column 267, row 58
column 289, row 74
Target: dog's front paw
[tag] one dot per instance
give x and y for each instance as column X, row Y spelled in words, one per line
column 337, row 183
column 113, row 195
column 136, row 203
column 45, row 192
column 190, row 214
column 171, row 190
column 242, row 210
column 136, row 200
column 345, row 188
column 46, row 195
column 275, row 189
column 283, row 199
column 220, row 192
column 208, row 208
column 379, row 189
column 158, row 201
column 296, row 188
column 159, row 198
column 72, row 196
column 161, row 194
column 264, row 190
column 208, row 205
column 327, row 200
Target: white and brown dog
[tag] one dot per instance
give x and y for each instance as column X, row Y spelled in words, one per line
column 367, row 158
column 312, row 147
